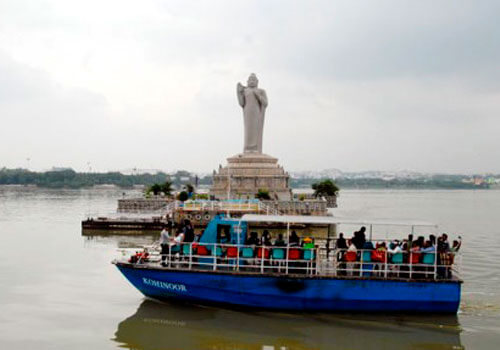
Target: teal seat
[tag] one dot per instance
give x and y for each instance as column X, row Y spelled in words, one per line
column 185, row 249
column 367, row 256
column 175, row 249
column 397, row 258
column 218, row 251
column 247, row 252
column 428, row 258
column 308, row 254
column 278, row 253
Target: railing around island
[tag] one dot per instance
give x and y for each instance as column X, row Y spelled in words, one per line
column 320, row 261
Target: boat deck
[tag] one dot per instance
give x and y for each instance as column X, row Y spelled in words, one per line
column 296, row 262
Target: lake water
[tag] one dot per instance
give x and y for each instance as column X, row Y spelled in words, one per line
column 58, row 289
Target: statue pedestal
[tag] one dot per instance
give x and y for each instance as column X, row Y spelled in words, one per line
column 246, row 173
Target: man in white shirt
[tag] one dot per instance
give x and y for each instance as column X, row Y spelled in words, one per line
column 165, row 243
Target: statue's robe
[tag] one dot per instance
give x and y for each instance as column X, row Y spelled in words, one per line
column 254, row 103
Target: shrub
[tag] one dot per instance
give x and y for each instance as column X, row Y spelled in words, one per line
column 183, row 196
column 325, row 188
column 263, row 194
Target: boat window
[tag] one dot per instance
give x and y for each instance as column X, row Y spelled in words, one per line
column 223, row 233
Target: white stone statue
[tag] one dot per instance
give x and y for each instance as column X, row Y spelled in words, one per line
column 254, row 103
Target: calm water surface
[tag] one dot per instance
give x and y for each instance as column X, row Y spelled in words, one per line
column 58, row 289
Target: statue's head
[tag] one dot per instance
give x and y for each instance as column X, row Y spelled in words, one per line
column 252, row 82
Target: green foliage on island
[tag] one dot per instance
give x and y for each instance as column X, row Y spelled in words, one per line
column 263, row 194
column 183, row 196
column 156, row 189
column 325, row 188
column 189, row 188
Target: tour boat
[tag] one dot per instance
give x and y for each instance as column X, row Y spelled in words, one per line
column 295, row 278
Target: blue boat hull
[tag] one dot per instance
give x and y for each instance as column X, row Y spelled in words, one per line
column 297, row 293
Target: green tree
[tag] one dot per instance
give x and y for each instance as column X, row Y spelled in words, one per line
column 183, row 196
column 155, row 189
column 263, row 194
column 189, row 188
column 166, row 188
column 325, row 188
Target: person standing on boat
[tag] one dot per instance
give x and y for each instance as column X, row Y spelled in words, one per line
column 359, row 238
column 294, row 240
column 164, row 243
column 188, row 231
column 341, row 242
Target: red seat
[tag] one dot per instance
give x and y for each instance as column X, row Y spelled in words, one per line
column 266, row 253
column 294, row 254
column 378, row 256
column 415, row 258
column 202, row 250
column 350, row 256
column 232, row 252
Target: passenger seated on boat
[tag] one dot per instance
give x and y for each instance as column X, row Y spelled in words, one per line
column 351, row 256
column 394, row 247
column 379, row 255
column 280, row 242
column 140, row 257
column 308, row 243
column 294, row 240
column 341, row 246
column 134, row 258
column 176, row 242
column 366, row 257
column 428, row 247
column 266, row 239
column 253, row 239
column 415, row 253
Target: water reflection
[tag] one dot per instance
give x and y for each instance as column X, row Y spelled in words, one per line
column 120, row 241
column 168, row 326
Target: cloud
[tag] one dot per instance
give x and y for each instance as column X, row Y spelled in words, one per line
column 364, row 85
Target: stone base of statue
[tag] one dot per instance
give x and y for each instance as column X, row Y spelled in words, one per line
column 247, row 173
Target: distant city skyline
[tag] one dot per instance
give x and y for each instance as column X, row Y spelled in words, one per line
column 386, row 85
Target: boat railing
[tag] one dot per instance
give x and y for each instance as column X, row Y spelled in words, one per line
column 249, row 206
column 309, row 260
column 382, row 263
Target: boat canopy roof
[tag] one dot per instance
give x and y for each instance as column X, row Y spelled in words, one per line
column 328, row 220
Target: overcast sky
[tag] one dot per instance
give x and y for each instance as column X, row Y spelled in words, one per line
column 353, row 85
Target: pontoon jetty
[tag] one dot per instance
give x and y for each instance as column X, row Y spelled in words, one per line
column 221, row 269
